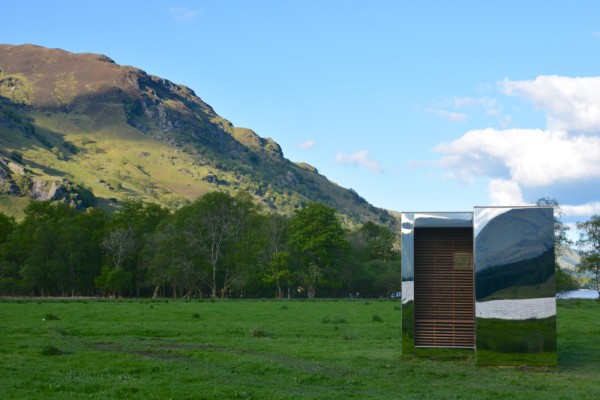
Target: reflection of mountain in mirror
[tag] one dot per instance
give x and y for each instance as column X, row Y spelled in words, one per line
column 512, row 236
column 443, row 220
column 522, row 279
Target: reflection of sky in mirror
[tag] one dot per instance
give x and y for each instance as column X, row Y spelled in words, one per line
column 407, row 254
column 483, row 215
column 408, row 291
column 516, row 309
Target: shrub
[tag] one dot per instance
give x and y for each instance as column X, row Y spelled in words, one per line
column 17, row 156
column 50, row 317
column 259, row 333
column 50, row 350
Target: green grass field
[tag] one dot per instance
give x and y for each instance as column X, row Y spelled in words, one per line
column 143, row 349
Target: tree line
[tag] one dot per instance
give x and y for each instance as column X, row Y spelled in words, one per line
column 218, row 246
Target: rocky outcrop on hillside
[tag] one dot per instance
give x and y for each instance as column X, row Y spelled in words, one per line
column 13, row 178
column 15, row 181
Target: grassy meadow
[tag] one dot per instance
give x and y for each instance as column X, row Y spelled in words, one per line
column 325, row 349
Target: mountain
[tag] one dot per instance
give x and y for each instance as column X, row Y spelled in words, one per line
column 569, row 259
column 83, row 129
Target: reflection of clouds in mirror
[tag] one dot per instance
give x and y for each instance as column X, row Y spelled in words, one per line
column 408, row 222
column 516, row 309
column 506, row 235
column 483, row 215
column 408, row 293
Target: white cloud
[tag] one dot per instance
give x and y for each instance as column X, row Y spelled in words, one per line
column 503, row 192
column 448, row 115
column 309, row 144
column 359, row 159
column 184, row 14
column 596, row 34
column 563, row 157
column 527, row 157
column 581, row 210
column 571, row 104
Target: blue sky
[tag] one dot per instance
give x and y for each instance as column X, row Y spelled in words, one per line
column 429, row 105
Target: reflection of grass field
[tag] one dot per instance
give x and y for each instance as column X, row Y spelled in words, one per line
column 531, row 341
column 546, row 289
column 262, row 350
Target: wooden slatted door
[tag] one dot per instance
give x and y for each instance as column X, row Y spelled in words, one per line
column 444, row 290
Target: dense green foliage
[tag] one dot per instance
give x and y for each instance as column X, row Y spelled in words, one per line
column 263, row 350
column 219, row 246
column 317, row 237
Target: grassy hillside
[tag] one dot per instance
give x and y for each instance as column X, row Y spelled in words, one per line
column 263, row 350
column 81, row 121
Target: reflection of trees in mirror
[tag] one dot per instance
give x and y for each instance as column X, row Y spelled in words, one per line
column 589, row 244
column 564, row 281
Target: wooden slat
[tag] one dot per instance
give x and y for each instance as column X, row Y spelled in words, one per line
column 444, row 294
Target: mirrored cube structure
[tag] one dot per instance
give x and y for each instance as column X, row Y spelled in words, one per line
column 480, row 281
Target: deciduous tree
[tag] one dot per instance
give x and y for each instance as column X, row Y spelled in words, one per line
column 7, row 225
column 172, row 263
column 318, row 239
column 57, row 248
column 216, row 228
column 129, row 230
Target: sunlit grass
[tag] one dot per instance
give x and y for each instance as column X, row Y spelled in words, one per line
column 139, row 349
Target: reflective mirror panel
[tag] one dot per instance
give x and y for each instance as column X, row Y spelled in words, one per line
column 514, row 286
column 408, row 303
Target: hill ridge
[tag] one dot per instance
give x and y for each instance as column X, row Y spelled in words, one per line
column 123, row 133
